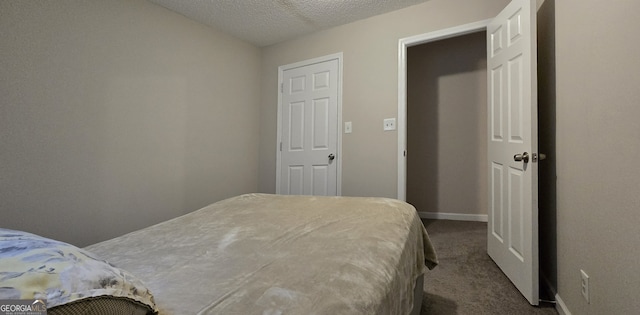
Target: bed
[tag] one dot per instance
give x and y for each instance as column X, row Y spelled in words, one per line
column 274, row 254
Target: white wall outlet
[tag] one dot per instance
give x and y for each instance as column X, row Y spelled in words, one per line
column 585, row 285
column 389, row 124
column 348, row 127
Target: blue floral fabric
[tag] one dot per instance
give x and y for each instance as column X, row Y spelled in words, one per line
column 34, row 267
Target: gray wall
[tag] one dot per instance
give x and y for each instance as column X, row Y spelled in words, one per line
column 598, row 143
column 447, row 125
column 370, row 87
column 115, row 115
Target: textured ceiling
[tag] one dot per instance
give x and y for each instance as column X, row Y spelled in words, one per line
column 266, row 22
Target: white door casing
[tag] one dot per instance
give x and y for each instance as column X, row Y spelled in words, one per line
column 512, row 131
column 308, row 161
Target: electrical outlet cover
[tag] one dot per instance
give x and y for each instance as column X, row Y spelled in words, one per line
column 389, row 124
column 585, row 285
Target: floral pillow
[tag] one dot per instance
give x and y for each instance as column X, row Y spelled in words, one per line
column 70, row 279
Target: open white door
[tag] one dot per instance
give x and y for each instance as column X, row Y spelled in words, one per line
column 513, row 145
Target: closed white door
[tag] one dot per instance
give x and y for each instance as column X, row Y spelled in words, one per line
column 308, row 156
column 513, row 171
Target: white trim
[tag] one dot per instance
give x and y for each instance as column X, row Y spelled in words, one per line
column 454, row 216
column 561, row 307
column 403, row 44
column 299, row 64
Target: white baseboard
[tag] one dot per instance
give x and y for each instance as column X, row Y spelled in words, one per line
column 561, row 307
column 454, row 216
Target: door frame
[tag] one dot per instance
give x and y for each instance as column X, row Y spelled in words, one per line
column 281, row 69
column 403, row 45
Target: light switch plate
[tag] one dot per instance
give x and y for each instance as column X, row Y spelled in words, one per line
column 347, row 127
column 389, row 124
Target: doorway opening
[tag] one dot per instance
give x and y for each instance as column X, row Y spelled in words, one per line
column 403, row 45
column 447, row 128
column 424, row 89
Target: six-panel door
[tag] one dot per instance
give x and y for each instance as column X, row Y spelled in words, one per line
column 309, row 130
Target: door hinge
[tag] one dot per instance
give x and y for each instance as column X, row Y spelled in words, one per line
column 281, row 87
column 280, row 146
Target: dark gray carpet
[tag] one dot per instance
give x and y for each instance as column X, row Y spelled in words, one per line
column 467, row 281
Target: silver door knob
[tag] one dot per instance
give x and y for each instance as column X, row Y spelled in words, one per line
column 521, row 157
column 331, row 157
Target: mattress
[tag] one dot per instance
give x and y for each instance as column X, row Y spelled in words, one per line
column 274, row 254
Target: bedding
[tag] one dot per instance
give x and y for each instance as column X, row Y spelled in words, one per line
column 70, row 279
column 273, row 254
